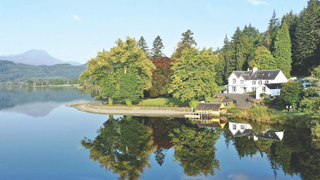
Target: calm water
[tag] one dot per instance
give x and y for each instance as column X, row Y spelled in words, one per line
column 42, row 139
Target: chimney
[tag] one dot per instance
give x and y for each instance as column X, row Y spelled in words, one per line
column 255, row 69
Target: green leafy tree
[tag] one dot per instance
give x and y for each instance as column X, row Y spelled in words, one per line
column 143, row 44
column 109, row 69
column 282, row 50
column 311, row 106
column 195, row 150
column 316, row 72
column 157, row 47
column 291, row 93
column 194, row 75
column 263, row 59
column 129, row 83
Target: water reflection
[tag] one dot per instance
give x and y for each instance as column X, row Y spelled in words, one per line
column 39, row 102
column 124, row 145
column 293, row 151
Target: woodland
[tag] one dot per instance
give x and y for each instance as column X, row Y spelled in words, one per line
column 130, row 70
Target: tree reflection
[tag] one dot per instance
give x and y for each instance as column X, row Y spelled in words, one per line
column 123, row 145
column 195, row 150
column 297, row 153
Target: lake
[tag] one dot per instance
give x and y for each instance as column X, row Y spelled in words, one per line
column 41, row 139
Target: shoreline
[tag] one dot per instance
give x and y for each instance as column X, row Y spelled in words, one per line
column 97, row 108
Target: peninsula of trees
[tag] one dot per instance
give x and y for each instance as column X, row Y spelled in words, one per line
column 129, row 70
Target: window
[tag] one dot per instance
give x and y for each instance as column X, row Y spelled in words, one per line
column 270, row 74
column 253, row 89
column 241, row 81
column 234, row 127
column 263, row 89
column 242, row 127
column 234, row 89
column 253, row 82
column 257, row 75
column 267, row 82
column 259, row 82
column 234, row 81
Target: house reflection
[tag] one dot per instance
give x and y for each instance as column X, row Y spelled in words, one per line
column 212, row 123
column 243, row 129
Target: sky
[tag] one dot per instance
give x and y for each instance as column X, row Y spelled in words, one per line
column 75, row 30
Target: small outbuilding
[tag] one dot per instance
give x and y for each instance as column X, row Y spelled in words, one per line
column 211, row 123
column 210, row 108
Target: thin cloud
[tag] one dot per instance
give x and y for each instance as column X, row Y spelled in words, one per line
column 76, row 17
column 256, row 2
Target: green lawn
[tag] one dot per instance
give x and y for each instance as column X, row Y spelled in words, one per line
column 162, row 101
column 221, row 88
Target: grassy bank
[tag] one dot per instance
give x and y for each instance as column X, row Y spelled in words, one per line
column 160, row 102
column 265, row 115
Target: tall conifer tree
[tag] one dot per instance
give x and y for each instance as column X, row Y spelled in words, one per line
column 273, row 27
column 239, row 49
column 282, row 50
column 157, row 47
column 307, row 38
column 142, row 44
column 187, row 41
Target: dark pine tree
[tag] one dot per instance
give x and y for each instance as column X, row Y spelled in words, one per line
column 157, row 47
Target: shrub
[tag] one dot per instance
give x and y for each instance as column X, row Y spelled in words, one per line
column 193, row 103
column 314, row 125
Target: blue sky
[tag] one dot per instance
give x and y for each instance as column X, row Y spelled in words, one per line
column 75, row 30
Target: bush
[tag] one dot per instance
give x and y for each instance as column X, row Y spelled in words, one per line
column 314, row 125
column 260, row 113
column 98, row 98
column 193, row 103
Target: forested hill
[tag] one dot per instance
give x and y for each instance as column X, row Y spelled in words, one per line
column 10, row 71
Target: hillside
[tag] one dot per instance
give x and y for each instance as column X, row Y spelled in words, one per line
column 10, row 71
column 36, row 57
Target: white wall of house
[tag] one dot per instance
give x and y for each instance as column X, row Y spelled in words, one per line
column 240, row 85
column 266, row 90
column 281, row 78
column 234, row 127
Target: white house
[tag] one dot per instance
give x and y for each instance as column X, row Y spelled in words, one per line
column 242, row 129
column 269, row 89
column 241, row 82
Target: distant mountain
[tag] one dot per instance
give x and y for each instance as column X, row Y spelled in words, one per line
column 36, row 57
column 10, row 71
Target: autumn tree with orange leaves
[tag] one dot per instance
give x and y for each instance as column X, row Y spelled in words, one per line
column 161, row 76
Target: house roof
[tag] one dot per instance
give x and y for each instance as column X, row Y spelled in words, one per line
column 274, row 85
column 258, row 75
column 215, row 106
column 271, row 135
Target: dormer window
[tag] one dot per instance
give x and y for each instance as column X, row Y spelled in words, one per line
column 270, row 74
column 257, row 75
column 241, row 81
